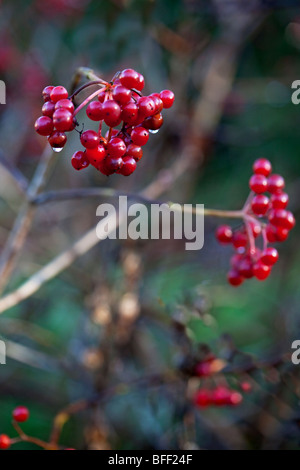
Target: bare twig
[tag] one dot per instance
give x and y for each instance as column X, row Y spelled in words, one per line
column 17, row 176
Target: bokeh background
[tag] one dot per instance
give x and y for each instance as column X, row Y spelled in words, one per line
column 118, row 327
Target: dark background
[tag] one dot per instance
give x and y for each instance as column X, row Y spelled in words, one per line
column 116, row 326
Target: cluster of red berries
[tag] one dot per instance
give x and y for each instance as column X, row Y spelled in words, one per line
column 119, row 104
column 220, row 395
column 265, row 216
column 20, row 415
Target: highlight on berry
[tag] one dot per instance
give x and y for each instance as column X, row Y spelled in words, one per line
column 266, row 220
column 129, row 117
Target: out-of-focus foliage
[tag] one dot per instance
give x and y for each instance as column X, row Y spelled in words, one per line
column 109, row 320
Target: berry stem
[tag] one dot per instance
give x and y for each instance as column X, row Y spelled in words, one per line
column 86, row 85
column 34, row 440
column 86, row 101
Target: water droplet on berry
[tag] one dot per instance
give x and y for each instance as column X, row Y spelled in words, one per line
column 153, row 131
column 57, row 149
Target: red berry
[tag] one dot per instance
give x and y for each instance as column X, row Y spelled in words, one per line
column 48, row 109
column 246, row 387
column 261, row 271
column 239, row 239
column 139, row 136
column 94, row 111
column 63, row 120
column 158, row 102
column 202, row 398
column 121, row 95
column 111, row 113
column 129, row 166
column 246, row 268
column 46, row 93
column 221, row 396
column 90, row 139
column 262, row 167
column 167, row 97
column 275, row 184
column 256, row 229
column 276, row 234
column 116, row 147
column 146, row 106
column 57, row 139
column 282, row 218
column 234, row 278
column 114, row 163
column 65, row 104
column 129, row 113
column 258, row 183
column 102, row 96
column 279, row 201
column 103, row 168
column 96, row 155
column 260, row 204
column 235, row 398
column 130, row 79
column 21, row 414
column 224, row 234
column 270, row 256
column 79, row 160
column 154, row 122
column 134, row 151
column 141, row 82
column 58, row 93
column 44, row 125
column 5, row 441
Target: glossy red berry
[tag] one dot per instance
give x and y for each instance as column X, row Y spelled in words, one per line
column 282, row 218
column 5, row 442
column 57, row 139
column 154, row 122
column 121, row 95
column 234, row 278
column 114, row 163
column 260, row 204
column 96, row 155
column 258, row 184
column 65, row 104
column 167, row 97
column 276, row 184
column 146, row 106
column 130, row 79
column 276, row 234
column 262, row 167
column 48, row 109
column 79, row 160
column 63, row 120
column 129, row 166
column 239, row 239
column 141, row 82
column 139, row 136
column 94, row 111
column 134, row 151
column 44, row 126
column 221, row 396
column 58, row 93
column 46, row 93
column 224, row 234
column 116, row 147
column 129, row 113
column 90, row 139
column 261, row 271
column 20, row 414
column 111, row 113
column 269, row 256
column 279, row 201
column 246, row 268
column 158, row 102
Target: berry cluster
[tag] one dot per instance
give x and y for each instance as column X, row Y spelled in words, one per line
column 220, row 395
column 265, row 216
column 20, row 415
column 128, row 115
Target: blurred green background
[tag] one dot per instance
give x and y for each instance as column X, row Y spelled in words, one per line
column 112, row 318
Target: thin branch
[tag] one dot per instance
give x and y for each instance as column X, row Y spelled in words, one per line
column 17, row 176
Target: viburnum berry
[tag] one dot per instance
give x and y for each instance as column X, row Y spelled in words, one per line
column 57, row 139
column 167, row 97
column 5, row 441
column 130, row 79
column 46, row 93
column 58, row 93
column 20, row 414
column 121, row 95
column 62, row 120
column 258, row 183
column 140, row 136
column 265, row 218
column 65, row 104
column 44, row 126
column 203, row 398
column 262, row 167
column 94, row 111
column 79, row 160
column 96, row 155
column 129, row 166
column 90, row 139
column 134, row 151
column 224, row 234
column 116, row 147
column 111, row 113
column 48, row 109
